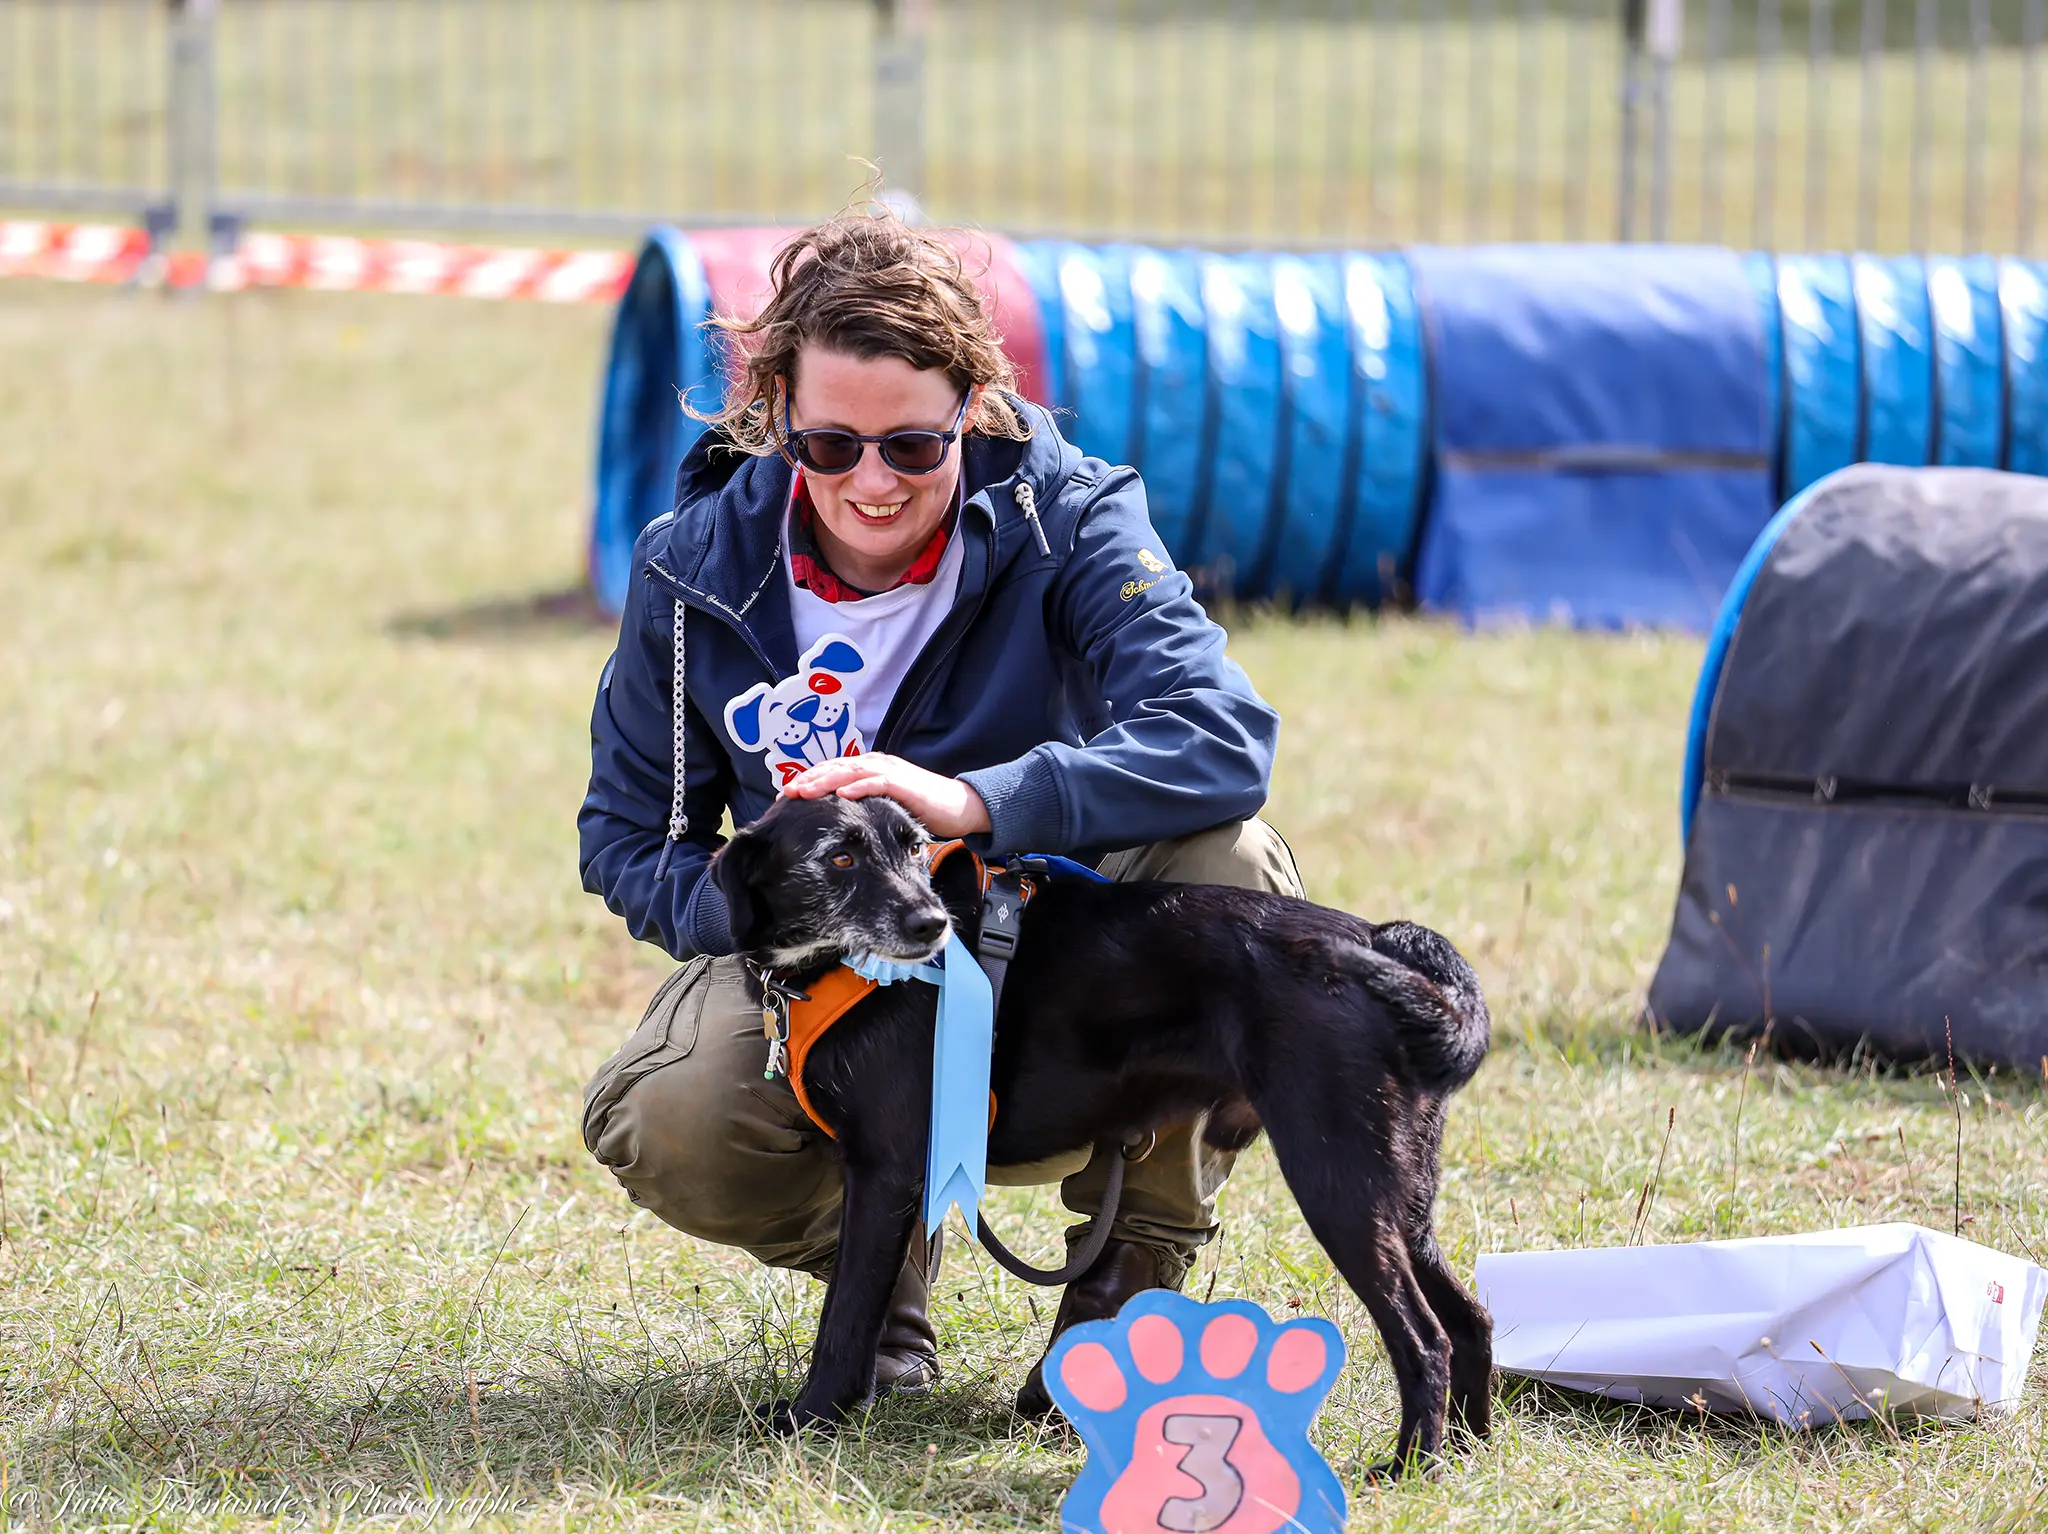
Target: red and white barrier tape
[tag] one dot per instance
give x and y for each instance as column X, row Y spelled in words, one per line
column 72, row 252
column 335, row 263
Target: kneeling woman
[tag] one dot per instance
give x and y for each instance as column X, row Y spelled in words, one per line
column 887, row 574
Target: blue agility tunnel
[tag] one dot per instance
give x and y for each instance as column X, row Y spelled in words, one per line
column 1387, row 454
column 1761, row 270
column 1969, row 362
column 2023, row 303
column 1171, row 385
column 1276, row 405
column 1098, row 358
column 1822, row 427
column 1318, row 390
column 1603, row 447
column 1904, row 361
column 1243, row 428
column 658, row 352
column 1592, row 434
column 1896, row 341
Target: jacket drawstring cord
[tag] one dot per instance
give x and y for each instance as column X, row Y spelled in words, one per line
column 1027, row 502
column 678, row 702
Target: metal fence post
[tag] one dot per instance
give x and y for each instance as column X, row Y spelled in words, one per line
column 1713, row 127
column 899, row 100
column 160, row 215
column 1974, row 129
column 1924, row 37
column 1762, row 218
column 1872, row 111
column 1633, row 20
column 1578, row 134
column 1528, row 85
column 1820, row 42
column 1479, row 27
column 1666, row 35
column 193, row 126
column 1381, row 153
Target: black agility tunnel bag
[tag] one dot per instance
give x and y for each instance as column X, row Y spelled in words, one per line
column 1866, row 797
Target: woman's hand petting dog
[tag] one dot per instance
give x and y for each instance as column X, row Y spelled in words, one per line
column 946, row 806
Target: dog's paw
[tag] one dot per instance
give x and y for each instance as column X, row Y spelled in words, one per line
column 785, row 1418
column 1385, row 1472
column 1196, row 1419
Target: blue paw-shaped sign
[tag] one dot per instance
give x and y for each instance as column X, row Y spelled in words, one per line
column 1196, row 1419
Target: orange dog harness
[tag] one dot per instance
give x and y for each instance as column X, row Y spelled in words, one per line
column 794, row 1021
column 831, row 997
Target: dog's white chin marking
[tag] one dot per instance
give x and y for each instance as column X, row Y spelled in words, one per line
column 813, row 953
column 925, row 956
column 802, row 956
column 883, row 946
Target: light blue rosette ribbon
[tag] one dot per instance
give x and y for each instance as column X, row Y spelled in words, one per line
column 883, row 971
column 956, row 1155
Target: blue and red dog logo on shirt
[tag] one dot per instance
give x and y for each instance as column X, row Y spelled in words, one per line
column 805, row 719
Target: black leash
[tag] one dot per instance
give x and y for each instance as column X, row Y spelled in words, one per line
column 1098, row 1229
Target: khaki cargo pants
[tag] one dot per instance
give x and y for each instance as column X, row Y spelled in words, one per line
column 684, row 1120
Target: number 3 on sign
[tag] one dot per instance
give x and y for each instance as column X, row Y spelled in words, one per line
column 1196, row 1419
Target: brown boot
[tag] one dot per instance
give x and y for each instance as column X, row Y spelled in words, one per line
column 907, row 1361
column 1125, row 1268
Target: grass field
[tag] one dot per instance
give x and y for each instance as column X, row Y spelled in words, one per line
column 298, row 992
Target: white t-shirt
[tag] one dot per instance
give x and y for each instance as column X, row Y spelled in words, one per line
column 889, row 630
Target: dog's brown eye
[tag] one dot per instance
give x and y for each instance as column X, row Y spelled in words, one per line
column 842, row 860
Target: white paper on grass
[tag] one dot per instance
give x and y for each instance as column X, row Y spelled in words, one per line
column 1804, row 1329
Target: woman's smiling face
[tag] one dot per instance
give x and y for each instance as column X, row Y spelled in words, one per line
column 873, row 522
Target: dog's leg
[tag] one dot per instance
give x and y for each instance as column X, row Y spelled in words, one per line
column 872, row 1075
column 1463, row 1318
column 875, row 1223
column 1469, row 1328
column 1374, row 1260
column 1351, row 1210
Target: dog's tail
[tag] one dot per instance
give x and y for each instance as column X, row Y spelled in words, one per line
column 1435, row 997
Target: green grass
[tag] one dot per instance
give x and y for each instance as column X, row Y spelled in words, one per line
column 298, row 991
column 1287, row 121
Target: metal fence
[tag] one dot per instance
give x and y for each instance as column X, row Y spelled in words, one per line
column 1914, row 124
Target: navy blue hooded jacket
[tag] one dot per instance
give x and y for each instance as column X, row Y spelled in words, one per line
column 1076, row 683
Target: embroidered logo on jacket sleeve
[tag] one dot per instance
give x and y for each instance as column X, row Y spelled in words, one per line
column 804, row 719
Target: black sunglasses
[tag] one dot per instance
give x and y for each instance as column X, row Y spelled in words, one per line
column 828, row 450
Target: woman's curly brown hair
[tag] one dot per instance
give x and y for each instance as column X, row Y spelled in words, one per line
column 867, row 284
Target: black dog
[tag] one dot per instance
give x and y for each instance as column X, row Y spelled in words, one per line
column 1129, row 1007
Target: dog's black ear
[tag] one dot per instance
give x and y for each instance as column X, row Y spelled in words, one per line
column 958, row 883
column 739, row 869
